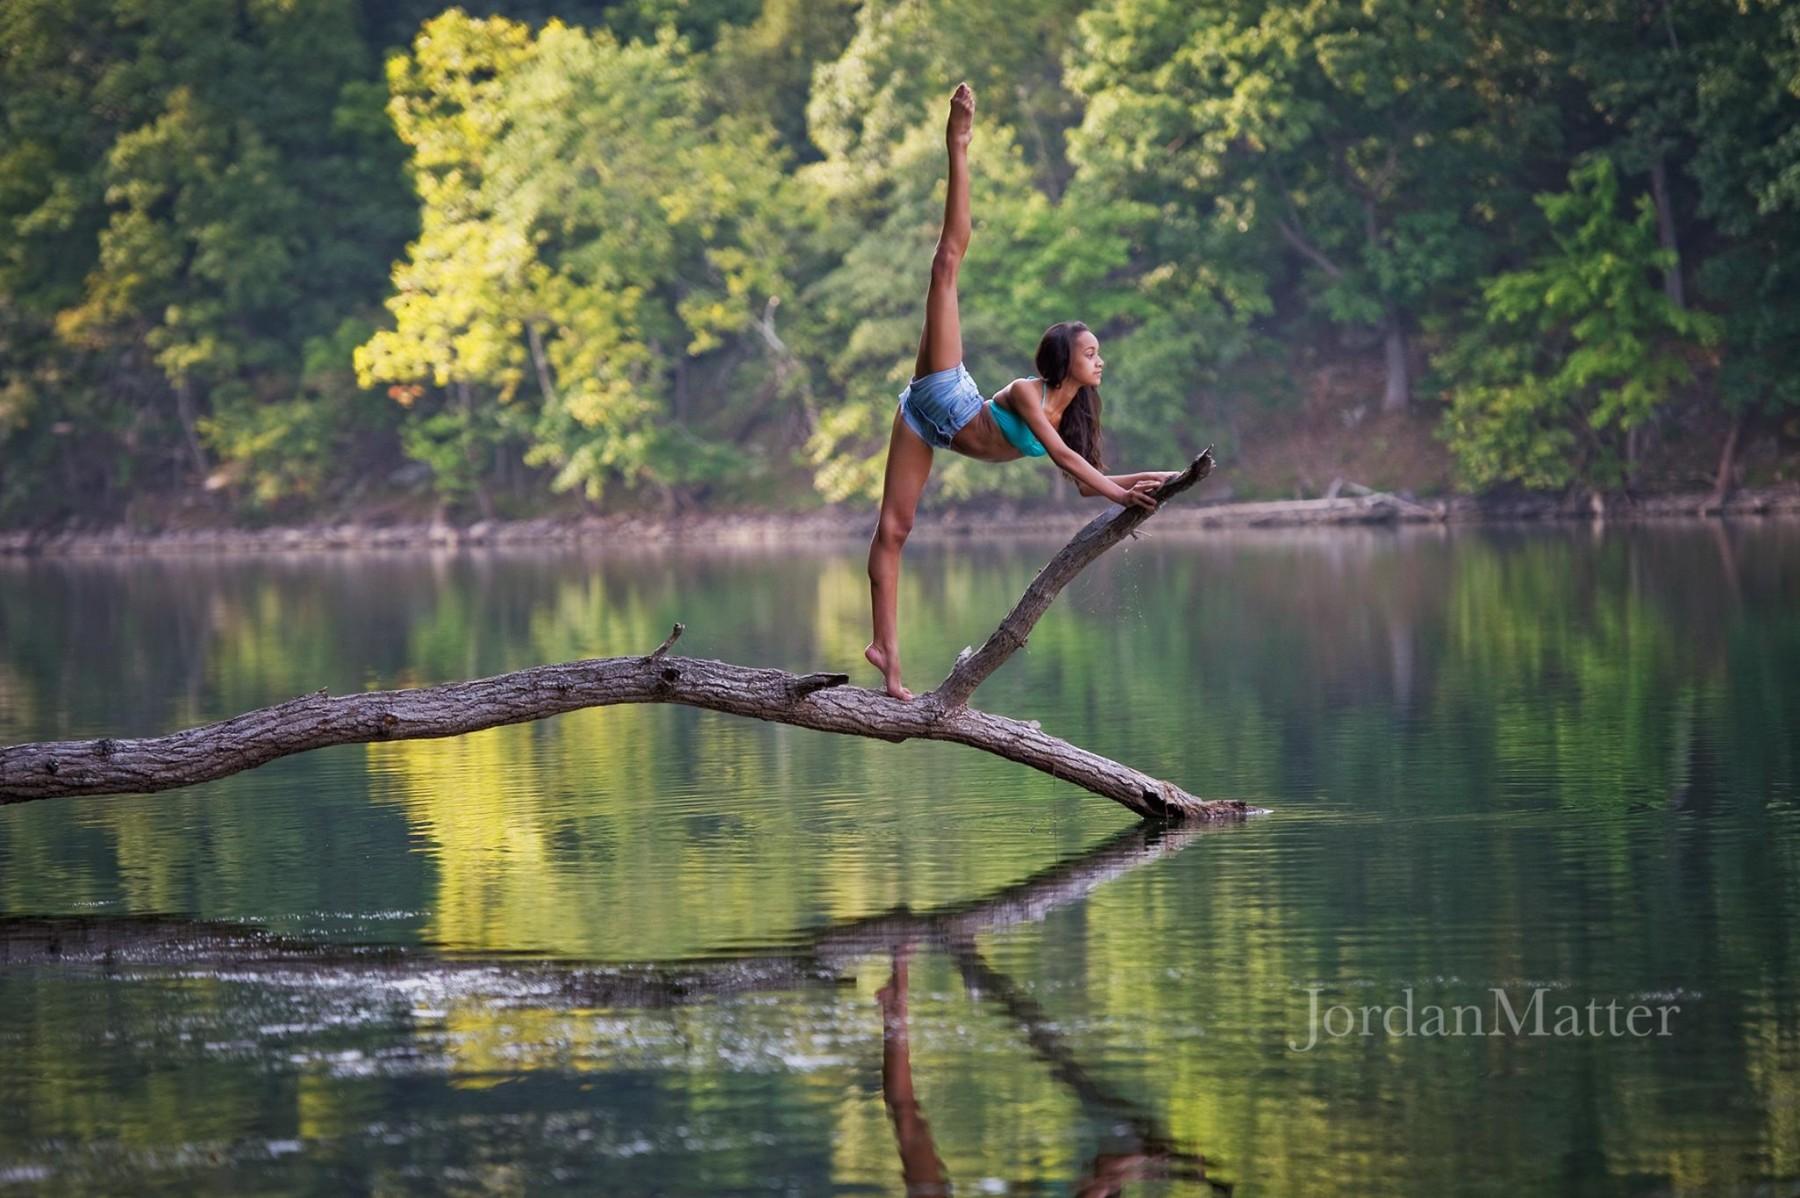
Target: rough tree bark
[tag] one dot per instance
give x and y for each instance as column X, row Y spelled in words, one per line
column 1397, row 393
column 1665, row 231
column 821, row 701
column 1714, row 504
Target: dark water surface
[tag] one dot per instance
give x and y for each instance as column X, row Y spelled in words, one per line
column 656, row 950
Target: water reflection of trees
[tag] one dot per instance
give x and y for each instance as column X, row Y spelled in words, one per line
column 1484, row 675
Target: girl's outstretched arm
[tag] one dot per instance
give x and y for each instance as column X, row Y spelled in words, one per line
column 1030, row 408
column 1153, row 478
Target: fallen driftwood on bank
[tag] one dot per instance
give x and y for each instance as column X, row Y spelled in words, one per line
column 1373, row 507
column 825, row 702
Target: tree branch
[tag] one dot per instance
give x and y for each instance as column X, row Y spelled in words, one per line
column 1102, row 533
column 1317, row 257
column 1295, row 233
column 541, row 363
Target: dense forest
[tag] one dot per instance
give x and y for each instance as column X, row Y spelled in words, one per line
column 286, row 254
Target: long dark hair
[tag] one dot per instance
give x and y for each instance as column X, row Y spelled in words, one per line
column 1080, row 428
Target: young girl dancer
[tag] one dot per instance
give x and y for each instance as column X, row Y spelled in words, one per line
column 1054, row 413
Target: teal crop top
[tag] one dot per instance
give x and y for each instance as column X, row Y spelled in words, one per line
column 1017, row 431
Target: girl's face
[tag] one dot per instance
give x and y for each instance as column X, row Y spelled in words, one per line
column 1085, row 363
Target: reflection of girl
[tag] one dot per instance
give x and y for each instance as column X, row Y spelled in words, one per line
column 1054, row 414
column 923, row 1170
column 920, row 1167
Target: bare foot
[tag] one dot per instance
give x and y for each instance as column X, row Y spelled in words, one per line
column 888, row 662
column 892, row 999
column 892, row 996
column 962, row 116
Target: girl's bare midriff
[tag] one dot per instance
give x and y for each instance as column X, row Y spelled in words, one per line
column 982, row 439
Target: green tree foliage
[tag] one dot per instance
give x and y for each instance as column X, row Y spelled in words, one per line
column 1575, row 350
column 1746, row 163
column 1356, row 137
column 682, row 244
column 592, row 256
column 195, row 192
column 766, row 65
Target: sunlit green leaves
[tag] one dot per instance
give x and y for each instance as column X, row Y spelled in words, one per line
column 206, row 194
column 583, row 232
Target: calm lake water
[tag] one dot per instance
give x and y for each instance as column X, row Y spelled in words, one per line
column 663, row 951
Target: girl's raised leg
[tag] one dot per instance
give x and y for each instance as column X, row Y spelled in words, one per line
column 940, row 345
column 908, row 466
column 909, row 459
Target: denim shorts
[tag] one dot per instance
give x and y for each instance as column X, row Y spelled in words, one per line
column 937, row 405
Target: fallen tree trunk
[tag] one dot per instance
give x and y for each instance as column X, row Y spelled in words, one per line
column 821, row 701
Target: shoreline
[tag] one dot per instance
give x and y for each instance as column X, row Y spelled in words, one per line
column 848, row 524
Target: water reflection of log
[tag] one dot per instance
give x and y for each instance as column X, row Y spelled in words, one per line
column 984, row 981
column 1029, row 901
column 1151, row 1152
column 810, row 957
column 1144, row 1150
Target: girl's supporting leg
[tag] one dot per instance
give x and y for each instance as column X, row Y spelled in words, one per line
column 940, row 345
column 908, row 466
